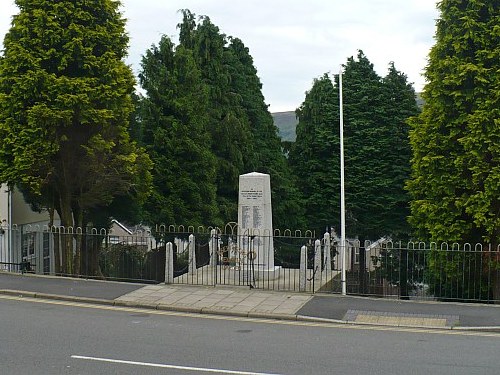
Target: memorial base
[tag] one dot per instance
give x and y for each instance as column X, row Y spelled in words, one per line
column 261, row 274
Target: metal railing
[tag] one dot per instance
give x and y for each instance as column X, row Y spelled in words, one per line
column 291, row 261
column 418, row 270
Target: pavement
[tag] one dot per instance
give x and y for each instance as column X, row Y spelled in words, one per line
column 255, row 303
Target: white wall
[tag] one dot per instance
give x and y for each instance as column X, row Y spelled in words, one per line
column 22, row 213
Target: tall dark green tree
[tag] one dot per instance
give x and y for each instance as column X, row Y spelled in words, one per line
column 174, row 130
column 366, row 142
column 65, row 100
column 315, row 155
column 376, row 150
column 399, row 103
column 455, row 184
column 267, row 150
column 228, row 123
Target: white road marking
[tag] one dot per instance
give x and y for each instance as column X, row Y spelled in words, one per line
column 160, row 365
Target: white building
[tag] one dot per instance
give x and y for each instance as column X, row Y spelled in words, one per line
column 25, row 236
column 22, row 237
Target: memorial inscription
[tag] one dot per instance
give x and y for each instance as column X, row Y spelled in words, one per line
column 252, row 194
column 255, row 223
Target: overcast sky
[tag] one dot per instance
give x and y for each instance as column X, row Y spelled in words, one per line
column 293, row 41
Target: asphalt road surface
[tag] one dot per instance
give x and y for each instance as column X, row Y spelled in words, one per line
column 56, row 337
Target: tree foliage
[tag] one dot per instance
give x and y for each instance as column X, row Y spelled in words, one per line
column 455, row 184
column 267, row 156
column 174, row 118
column 315, row 155
column 376, row 147
column 220, row 108
column 228, row 124
column 376, row 150
column 65, row 100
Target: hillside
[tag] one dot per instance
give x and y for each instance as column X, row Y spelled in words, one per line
column 286, row 123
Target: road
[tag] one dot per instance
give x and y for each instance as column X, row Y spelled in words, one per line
column 56, row 337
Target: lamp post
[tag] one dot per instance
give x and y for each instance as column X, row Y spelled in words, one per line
column 342, row 190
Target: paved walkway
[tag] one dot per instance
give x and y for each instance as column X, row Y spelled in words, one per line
column 233, row 301
column 241, row 301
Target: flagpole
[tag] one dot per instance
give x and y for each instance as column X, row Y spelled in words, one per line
column 342, row 190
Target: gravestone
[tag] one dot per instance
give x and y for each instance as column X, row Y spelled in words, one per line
column 256, row 224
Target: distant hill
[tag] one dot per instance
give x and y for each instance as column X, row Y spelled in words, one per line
column 286, row 122
column 420, row 101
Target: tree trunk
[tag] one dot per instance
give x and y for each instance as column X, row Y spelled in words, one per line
column 362, row 267
column 403, row 274
column 57, row 252
column 79, row 239
column 90, row 248
column 56, row 238
column 66, row 216
column 495, row 279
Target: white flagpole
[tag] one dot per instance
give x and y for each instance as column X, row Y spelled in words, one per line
column 342, row 191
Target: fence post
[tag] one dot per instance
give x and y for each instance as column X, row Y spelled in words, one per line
column 327, row 257
column 212, row 247
column 303, row 269
column 192, row 255
column 179, row 245
column 4, row 247
column 317, row 259
column 169, row 263
column 403, row 274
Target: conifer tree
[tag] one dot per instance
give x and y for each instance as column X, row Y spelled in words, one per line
column 376, row 150
column 228, row 123
column 314, row 157
column 174, row 121
column 244, row 136
column 399, row 102
column 65, row 100
column 455, row 184
column 267, row 153
column 366, row 141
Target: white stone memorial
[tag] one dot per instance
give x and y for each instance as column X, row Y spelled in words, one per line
column 256, row 225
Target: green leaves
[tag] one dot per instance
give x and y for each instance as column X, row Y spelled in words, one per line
column 204, row 122
column 455, row 140
column 174, row 130
column 376, row 150
column 65, row 104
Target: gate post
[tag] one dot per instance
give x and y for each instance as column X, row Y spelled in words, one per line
column 213, row 247
column 303, row 269
column 327, row 258
column 169, row 263
column 317, row 259
column 192, row 255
